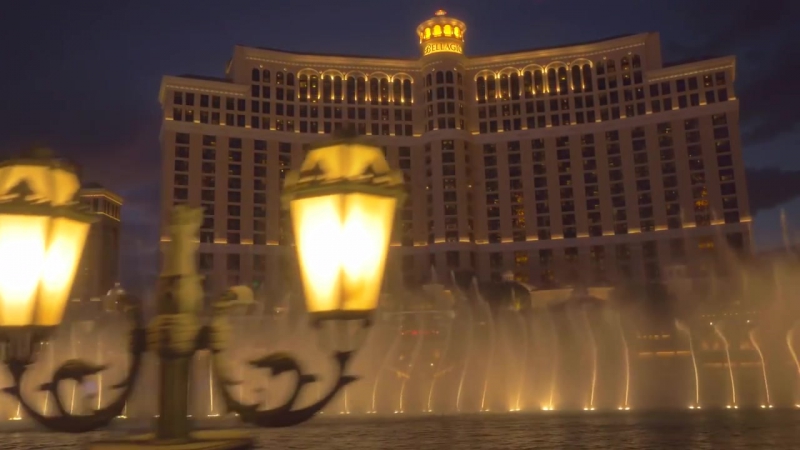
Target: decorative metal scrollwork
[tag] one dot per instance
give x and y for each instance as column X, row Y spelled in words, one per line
column 77, row 370
column 277, row 363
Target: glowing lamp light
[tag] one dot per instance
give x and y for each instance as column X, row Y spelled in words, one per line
column 342, row 203
column 42, row 234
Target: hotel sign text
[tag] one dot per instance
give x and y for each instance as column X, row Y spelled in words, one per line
column 442, row 47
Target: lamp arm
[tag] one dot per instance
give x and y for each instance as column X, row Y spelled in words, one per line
column 77, row 370
column 277, row 363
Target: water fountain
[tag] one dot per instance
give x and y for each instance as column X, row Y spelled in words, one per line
column 718, row 330
column 685, row 329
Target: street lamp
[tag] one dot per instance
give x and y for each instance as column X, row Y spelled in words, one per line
column 42, row 234
column 342, row 204
column 344, row 192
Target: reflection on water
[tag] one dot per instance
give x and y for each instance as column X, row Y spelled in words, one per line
column 695, row 430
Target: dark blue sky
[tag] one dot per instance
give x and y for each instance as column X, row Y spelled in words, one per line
column 83, row 76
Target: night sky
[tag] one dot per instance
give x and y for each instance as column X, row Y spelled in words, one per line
column 83, row 76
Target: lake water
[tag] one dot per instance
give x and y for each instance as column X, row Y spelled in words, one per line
column 717, row 430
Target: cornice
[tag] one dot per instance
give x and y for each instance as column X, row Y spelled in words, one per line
column 693, row 68
column 549, row 55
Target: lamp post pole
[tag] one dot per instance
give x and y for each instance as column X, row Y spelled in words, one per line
column 175, row 330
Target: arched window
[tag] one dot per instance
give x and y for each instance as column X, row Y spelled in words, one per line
column 428, row 80
column 588, row 84
column 256, row 75
column 637, row 62
column 610, row 66
column 527, row 83
column 449, row 76
column 303, row 87
column 624, row 63
column 265, row 76
column 480, row 87
column 504, row 86
column 460, row 78
column 448, row 30
column 576, row 79
column 427, row 33
column 397, row 91
column 600, row 67
column 439, row 77
column 313, row 85
column 373, row 91
column 408, row 93
column 384, row 91
column 514, row 86
column 290, row 79
column 327, row 89
column 538, row 82
column 491, row 88
column 351, row 89
column 437, row 30
column 552, row 82
column 563, row 81
column 457, row 31
column 337, row 89
column 279, row 78
column 361, row 90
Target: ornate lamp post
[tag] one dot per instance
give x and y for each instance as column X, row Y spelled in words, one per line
column 342, row 203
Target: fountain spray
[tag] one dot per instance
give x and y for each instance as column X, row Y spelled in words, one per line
column 684, row 328
column 392, row 348
column 753, row 341
column 626, row 355
column 437, row 372
column 554, row 359
column 489, row 360
column 468, row 347
column 730, row 367
column 593, row 346
column 414, row 355
column 524, row 328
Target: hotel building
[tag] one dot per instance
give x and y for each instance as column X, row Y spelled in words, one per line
column 594, row 160
column 98, row 270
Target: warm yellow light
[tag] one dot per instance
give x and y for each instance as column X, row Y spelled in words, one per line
column 22, row 246
column 437, row 30
column 67, row 238
column 448, row 30
column 427, row 33
column 35, row 282
column 457, row 31
column 342, row 241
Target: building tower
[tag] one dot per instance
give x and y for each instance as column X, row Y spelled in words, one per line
column 98, row 271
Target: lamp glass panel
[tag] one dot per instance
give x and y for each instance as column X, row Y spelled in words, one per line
column 317, row 227
column 342, row 242
column 365, row 234
column 67, row 239
column 23, row 242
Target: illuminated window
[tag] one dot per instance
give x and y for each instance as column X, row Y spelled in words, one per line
column 427, row 33
column 457, row 31
column 448, row 30
column 437, row 30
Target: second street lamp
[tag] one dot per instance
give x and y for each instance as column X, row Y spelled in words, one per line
column 342, row 202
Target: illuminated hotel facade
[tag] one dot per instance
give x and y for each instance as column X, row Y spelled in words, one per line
column 593, row 161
